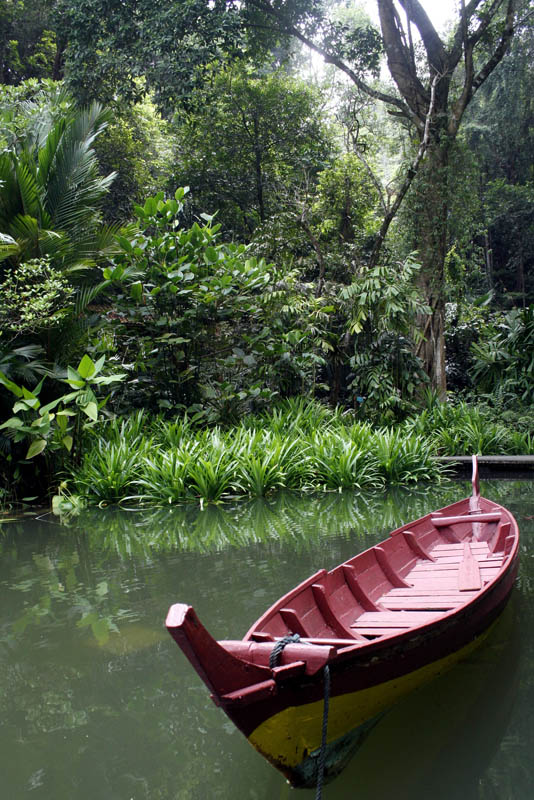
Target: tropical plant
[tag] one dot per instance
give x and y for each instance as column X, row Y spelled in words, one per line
column 504, row 363
column 404, row 459
column 204, row 325
column 36, row 427
column 382, row 303
column 253, row 139
column 50, row 190
column 168, row 463
column 108, row 471
column 340, row 463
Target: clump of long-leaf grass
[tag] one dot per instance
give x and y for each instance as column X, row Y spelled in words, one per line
column 109, row 469
column 405, row 458
column 462, row 428
column 300, row 446
column 338, row 462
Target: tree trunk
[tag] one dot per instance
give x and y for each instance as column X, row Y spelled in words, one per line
column 431, row 204
column 258, row 168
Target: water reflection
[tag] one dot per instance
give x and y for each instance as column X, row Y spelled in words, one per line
column 450, row 729
column 97, row 701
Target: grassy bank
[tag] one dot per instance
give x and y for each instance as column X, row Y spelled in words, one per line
column 301, row 446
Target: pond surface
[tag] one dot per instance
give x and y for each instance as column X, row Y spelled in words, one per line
column 97, row 701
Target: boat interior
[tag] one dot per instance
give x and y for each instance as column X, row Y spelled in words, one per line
column 421, row 572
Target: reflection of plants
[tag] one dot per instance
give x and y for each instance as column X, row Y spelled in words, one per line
column 101, row 626
column 56, row 584
column 297, row 522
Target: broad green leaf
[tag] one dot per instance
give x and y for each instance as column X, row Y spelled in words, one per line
column 104, row 380
column 13, row 423
column 86, row 367
column 125, row 243
column 136, row 291
column 67, row 442
column 74, row 379
column 99, row 363
column 36, row 447
column 211, row 256
column 17, row 391
column 50, row 406
column 21, row 405
column 91, row 409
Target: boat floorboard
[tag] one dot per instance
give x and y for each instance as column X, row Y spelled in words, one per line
column 434, row 587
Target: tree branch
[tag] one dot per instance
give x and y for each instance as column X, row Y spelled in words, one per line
column 500, row 50
column 410, row 175
column 435, row 50
column 399, row 63
column 330, row 58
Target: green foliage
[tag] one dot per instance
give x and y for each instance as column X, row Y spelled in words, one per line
column 254, row 138
column 338, row 462
column 504, row 362
column 345, row 201
column 137, row 146
column 403, row 459
column 50, row 189
column 34, row 295
column 499, row 131
column 299, row 446
column 461, row 428
column 109, row 44
column 28, row 111
column 28, row 43
column 202, row 323
column 384, row 302
column 36, row 427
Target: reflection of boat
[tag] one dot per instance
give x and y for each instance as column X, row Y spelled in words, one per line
column 362, row 635
column 450, row 729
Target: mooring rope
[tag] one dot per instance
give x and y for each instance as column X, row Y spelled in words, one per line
column 322, row 755
column 274, row 658
column 276, row 652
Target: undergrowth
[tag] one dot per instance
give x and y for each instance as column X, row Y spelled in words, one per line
column 301, row 446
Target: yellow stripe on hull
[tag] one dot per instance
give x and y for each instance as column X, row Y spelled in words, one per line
column 287, row 738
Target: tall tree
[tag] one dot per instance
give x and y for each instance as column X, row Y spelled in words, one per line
column 254, row 139
column 112, row 42
column 436, row 83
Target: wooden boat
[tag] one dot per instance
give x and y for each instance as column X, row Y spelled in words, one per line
column 317, row 670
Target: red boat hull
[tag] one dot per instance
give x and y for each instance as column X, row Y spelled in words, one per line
column 384, row 622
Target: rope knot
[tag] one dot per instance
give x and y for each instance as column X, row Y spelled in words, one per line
column 276, row 652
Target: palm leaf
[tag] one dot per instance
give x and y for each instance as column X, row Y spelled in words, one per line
column 8, row 246
column 28, row 188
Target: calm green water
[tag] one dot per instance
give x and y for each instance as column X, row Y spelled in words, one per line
column 96, row 701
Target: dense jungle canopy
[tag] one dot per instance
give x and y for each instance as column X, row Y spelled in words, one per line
column 208, row 207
